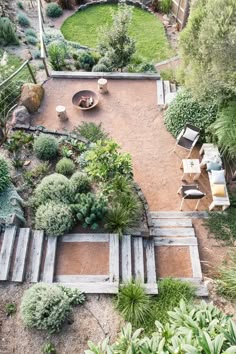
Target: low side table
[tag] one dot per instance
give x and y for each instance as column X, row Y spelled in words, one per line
column 191, row 167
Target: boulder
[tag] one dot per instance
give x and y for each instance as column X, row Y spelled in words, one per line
column 20, row 115
column 31, row 96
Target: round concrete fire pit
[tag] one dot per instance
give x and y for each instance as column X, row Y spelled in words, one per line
column 85, row 100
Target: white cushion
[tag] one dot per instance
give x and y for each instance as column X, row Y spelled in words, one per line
column 218, row 177
column 190, row 134
column 193, row 192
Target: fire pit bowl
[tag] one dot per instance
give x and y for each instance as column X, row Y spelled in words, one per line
column 83, row 96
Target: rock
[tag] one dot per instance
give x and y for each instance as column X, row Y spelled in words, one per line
column 31, row 96
column 27, row 163
column 20, row 115
column 166, row 18
column 166, row 23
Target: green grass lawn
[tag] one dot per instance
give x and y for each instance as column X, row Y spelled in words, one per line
column 145, row 28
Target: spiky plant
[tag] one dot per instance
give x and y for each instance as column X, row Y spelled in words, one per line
column 5, row 177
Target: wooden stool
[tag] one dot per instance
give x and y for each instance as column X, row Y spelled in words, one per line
column 61, row 113
column 102, row 85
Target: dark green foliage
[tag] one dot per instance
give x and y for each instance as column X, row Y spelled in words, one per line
column 144, row 67
column 66, row 4
column 91, row 131
column 79, row 183
column 36, row 54
column 104, row 161
column 47, row 307
column 7, row 32
column 5, row 176
column 45, row 147
column 18, row 140
column 20, row 5
column 32, row 177
column 100, row 68
column 65, row 167
column 134, row 304
column 57, row 54
column 170, row 292
column 10, row 309
column 54, row 218
column 75, row 296
column 53, row 10
column 55, row 188
column 185, row 109
column 31, row 32
column 90, row 209
column 165, row 6
column 86, row 61
column 11, row 203
column 224, row 130
column 222, row 226
column 23, row 20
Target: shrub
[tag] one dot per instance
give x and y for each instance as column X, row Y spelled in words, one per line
column 53, row 10
column 66, row 4
column 133, row 304
column 144, row 67
column 34, row 175
column 20, row 5
column 45, row 147
column 165, row 6
column 31, row 32
column 226, row 281
column 201, row 328
column 49, row 348
column 54, row 218
column 86, row 61
column 79, row 183
column 10, row 309
column 5, row 176
column 104, row 161
column 65, row 167
column 57, row 54
column 7, row 32
column 92, row 132
column 90, row 210
column 23, row 20
column 31, row 40
column 54, row 187
column 224, row 130
column 100, row 68
column 46, row 307
column 36, row 54
column 186, row 109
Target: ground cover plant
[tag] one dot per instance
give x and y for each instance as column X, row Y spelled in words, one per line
column 191, row 328
column 147, row 31
column 226, row 280
column 48, row 307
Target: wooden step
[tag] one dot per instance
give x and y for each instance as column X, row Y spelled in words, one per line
column 174, row 232
column 138, row 259
column 36, row 256
column 178, row 241
column 201, row 286
column 6, row 251
column 21, row 254
column 126, row 258
column 172, row 222
column 149, row 247
column 82, row 278
column 94, row 288
column 151, row 289
column 179, row 214
column 86, row 238
column 114, row 258
column 166, row 87
column 48, row 272
column 160, row 93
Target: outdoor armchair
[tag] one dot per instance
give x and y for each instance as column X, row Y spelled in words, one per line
column 188, row 138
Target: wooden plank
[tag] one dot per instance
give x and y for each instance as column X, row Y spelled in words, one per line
column 175, row 232
column 180, row 241
column 150, row 261
column 82, row 278
column 179, row 214
column 6, row 251
column 138, row 259
column 126, row 263
column 86, row 238
column 36, row 256
column 195, row 261
column 160, row 92
column 114, row 258
column 172, row 222
column 94, row 288
column 21, row 254
column 166, row 87
column 151, row 289
column 48, row 272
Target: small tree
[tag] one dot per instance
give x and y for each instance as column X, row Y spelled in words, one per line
column 115, row 42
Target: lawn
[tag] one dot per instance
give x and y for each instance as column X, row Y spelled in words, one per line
column 145, row 28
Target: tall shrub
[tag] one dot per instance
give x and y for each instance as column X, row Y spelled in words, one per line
column 57, row 54
column 7, row 32
column 5, row 177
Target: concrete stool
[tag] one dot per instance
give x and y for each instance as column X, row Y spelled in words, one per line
column 102, row 85
column 61, row 113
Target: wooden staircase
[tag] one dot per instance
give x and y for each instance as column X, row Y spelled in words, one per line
column 166, row 92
